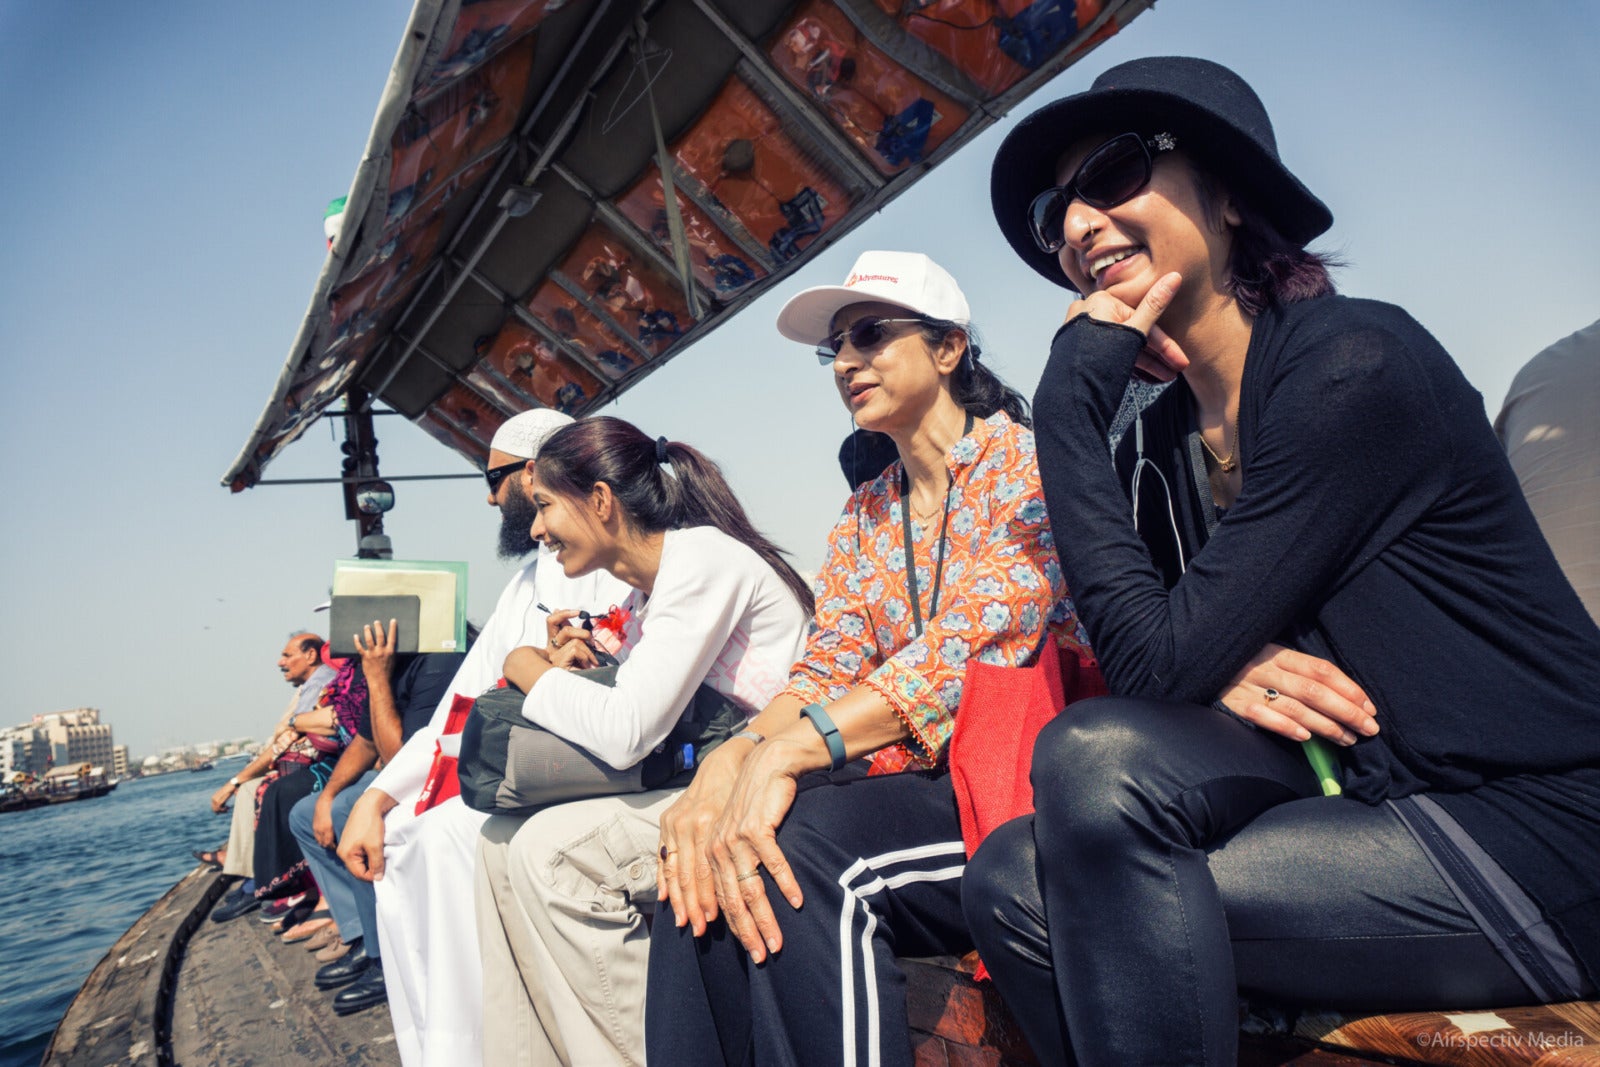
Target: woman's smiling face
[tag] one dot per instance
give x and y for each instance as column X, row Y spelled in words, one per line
column 569, row 527
column 1165, row 226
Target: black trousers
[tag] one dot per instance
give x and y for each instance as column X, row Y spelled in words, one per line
column 880, row 862
column 280, row 866
column 1178, row 856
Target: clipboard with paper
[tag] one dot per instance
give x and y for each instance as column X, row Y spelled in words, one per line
column 440, row 587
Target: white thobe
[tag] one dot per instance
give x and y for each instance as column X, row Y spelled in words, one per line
column 431, row 963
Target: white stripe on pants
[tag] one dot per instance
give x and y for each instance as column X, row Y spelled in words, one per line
column 953, row 857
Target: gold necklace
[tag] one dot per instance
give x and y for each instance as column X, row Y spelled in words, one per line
column 924, row 516
column 1230, row 462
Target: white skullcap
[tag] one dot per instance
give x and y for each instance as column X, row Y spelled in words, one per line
column 522, row 435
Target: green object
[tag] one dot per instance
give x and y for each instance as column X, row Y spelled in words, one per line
column 1324, row 760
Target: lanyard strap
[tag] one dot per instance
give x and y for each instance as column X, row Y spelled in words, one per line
column 911, row 558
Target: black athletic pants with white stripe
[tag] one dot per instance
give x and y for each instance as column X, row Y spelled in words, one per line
column 879, row 860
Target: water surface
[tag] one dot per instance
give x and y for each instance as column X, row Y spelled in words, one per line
column 74, row 877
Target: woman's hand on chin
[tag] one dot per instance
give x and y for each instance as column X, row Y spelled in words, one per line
column 1296, row 695
column 684, row 876
column 1162, row 359
column 746, row 839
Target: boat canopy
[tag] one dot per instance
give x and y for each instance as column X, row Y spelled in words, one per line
column 512, row 240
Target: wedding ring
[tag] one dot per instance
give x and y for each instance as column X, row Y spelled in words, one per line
column 1272, row 694
column 756, row 873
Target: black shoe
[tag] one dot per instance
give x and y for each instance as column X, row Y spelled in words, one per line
column 344, row 971
column 365, row 992
column 274, row 910
column 301, row 912
column 234, row 905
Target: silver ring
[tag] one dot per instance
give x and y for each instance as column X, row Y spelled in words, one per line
column 1272, row 694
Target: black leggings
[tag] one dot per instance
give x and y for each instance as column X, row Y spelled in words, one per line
column 1179, row 856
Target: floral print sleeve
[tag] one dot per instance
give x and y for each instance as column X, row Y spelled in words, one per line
column 1000, row 592
column 839, row 650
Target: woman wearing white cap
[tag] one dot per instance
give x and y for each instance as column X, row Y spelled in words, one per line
column 875, row 860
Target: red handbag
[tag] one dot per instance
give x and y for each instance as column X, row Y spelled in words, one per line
column 1000, row 715
column 1002, row 711
column 991, row 751
column 442, row 783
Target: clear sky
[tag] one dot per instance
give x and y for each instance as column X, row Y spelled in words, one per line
column 165, row 173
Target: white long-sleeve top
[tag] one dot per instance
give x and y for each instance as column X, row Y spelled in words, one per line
column 718, row 614
column 516, row 622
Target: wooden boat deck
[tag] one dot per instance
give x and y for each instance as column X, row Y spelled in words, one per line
column 177, row 989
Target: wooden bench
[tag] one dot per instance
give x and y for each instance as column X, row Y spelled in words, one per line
column 957, row 1022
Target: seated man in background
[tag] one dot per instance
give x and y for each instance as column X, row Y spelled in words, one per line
column 402, row 692
column 1551, row 433
column 301, row 666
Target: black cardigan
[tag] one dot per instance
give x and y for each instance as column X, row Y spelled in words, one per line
column 1379, row 526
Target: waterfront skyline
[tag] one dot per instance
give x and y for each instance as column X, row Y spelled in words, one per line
column 166, row 234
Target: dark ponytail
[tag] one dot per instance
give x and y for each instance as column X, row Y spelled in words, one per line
column 974, row 386
column 614, row 451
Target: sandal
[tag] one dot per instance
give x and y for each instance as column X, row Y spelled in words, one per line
column 212, row 859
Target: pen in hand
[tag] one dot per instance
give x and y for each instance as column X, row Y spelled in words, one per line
column 602, row 657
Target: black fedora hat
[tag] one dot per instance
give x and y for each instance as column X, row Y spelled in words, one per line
column 1217, row 120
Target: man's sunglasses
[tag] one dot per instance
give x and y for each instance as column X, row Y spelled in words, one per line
column 864, row 335
column 1110, row 174
column 495, row 475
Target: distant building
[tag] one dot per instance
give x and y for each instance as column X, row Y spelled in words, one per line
column 76, row 736
column 16, row 748
column 24, row 749
column 119, row 760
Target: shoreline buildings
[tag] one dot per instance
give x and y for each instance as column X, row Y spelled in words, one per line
column 60, row 739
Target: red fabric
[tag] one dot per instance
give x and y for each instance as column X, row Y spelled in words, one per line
column 991, row 752
column 442, row 783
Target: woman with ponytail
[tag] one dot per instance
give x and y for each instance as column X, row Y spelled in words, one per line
column 783, row 853
column 563, row 894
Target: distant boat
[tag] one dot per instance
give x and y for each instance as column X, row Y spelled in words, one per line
column 21, row 799
column 203, row 765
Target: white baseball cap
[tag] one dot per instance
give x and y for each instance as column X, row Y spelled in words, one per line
column 907, row 280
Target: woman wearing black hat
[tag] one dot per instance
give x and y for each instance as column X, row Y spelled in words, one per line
column 1324, row 539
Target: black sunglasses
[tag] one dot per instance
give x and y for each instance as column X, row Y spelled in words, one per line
column 495, row 475
column 1110, row 174
column 864, row 335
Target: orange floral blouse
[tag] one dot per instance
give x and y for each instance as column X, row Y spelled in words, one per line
column 1001, row 593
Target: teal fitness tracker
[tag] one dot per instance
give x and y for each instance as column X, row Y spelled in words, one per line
column 830, row 733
